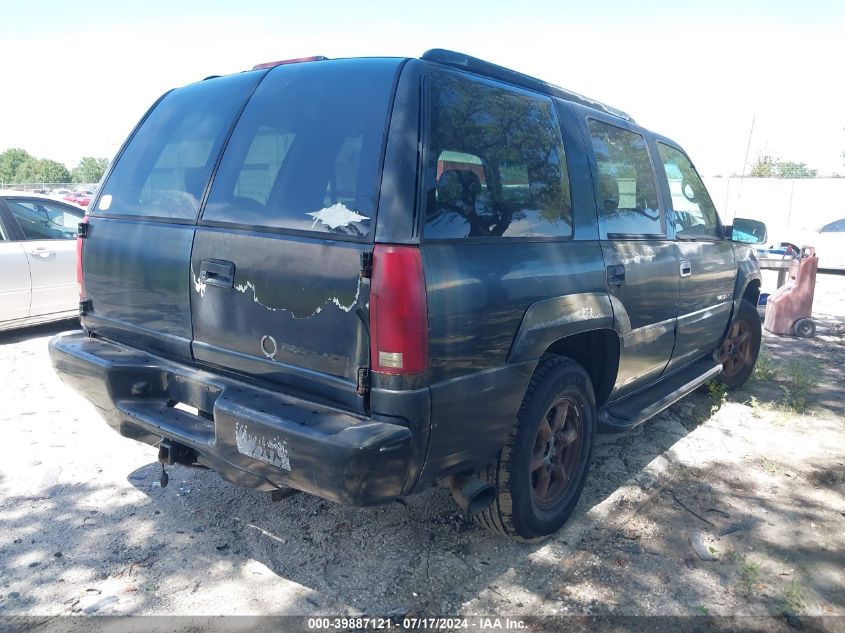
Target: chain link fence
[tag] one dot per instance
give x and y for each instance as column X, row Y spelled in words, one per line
column 49, row 188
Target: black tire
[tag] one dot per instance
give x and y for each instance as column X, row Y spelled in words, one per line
column 805, row 328
column 559, row 390
column 741, row 346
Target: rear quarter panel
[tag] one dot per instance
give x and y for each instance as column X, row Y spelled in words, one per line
column 478, row 295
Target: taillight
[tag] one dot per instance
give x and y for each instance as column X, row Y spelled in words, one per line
column 398, row 311
column 80, row 237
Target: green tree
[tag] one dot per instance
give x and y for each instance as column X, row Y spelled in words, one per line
column 789, row 169
column 764, row 167
column 769, row 166
column 10, row 162
column 89, row 169
column 41, row 170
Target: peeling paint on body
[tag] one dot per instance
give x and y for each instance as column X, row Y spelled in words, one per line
column 247, row 286
column 199, row 284
column 336, row 216
column 269, row 450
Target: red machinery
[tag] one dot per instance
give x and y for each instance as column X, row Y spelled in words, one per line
column 789, row 308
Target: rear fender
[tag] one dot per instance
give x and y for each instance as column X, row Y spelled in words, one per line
column 467, row 433
column 551, row 320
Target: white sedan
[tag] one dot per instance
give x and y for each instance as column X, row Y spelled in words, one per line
column 830, row 245
column 37, row 259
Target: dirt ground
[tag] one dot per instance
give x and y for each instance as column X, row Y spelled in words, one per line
column 722, row 505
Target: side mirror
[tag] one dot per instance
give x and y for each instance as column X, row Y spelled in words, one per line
column 748, row 231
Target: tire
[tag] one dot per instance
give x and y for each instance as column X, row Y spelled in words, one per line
column 560, row 395
column 805, row 328
column 741, row 346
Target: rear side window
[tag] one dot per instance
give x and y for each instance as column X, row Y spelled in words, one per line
column 496, row 164
column 692, row 208
column 164, row 170
column 306, row 153
column 627, row 191
column 45, row 221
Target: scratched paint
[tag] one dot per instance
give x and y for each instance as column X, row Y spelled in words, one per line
column 270, row 450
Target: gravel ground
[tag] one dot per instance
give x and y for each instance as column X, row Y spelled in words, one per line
column 754, row 481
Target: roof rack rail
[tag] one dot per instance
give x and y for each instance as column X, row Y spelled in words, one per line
column 494, row 71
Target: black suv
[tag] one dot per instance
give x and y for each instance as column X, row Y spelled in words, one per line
column 360, row 277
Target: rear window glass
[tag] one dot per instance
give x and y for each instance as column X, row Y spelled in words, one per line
column 166, row 166
column 496, row 162
column 306, row 152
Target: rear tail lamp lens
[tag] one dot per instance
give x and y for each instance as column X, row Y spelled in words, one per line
column 398, row 311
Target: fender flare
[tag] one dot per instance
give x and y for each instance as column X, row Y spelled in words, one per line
column 556, row 318
column 746, row 272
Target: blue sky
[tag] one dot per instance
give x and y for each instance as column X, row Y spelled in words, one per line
column 83, row 72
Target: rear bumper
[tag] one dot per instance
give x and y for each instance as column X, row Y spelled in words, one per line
column 253, row 437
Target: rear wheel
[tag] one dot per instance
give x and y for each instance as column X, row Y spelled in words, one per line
column 741, row 346
column 541, row 470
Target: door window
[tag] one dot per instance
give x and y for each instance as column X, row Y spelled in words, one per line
column 692, row 208
column 627, row 191
column 496, row 162
column 45, row 221
column 306, row 152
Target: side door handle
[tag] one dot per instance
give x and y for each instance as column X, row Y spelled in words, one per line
column 686, row 269
column 42, row 251
column 217, row 272
column 615, row 275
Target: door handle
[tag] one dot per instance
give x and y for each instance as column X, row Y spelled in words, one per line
column 41, row 251
column 615, row 275
column 686, row 269
column 217, row 272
